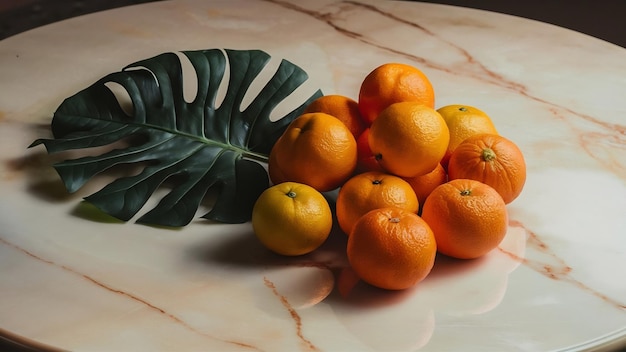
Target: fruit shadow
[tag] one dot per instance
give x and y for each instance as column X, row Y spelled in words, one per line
column 446, row 266
column 350, row 290
column 242, row 249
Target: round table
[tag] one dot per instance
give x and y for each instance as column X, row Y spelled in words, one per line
column 73, row 280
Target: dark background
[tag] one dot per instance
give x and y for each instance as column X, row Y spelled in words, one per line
column 604, row 19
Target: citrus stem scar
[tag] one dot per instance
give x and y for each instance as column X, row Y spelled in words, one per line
column 291, row 194
column 488, row 154
column 394, row 220
column 377, row 182
column 466, row 192
column 378, row 156
column 462, row 108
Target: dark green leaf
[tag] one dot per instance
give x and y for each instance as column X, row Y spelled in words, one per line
column 197, row 145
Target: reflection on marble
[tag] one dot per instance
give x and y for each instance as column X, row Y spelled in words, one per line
column 75, row 279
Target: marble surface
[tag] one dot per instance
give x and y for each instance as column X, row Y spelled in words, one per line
column 74, row 280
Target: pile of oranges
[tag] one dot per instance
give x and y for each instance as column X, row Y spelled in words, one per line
column 412, row 180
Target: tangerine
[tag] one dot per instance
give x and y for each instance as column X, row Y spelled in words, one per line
column 393, row 83
column 464, row 121
column 409, row 139
column 491, row 159
column 372, row 190
column 316, row 149
column 423, row 185
column 291, row 218
column 342, row 107
column 366, row 160
column 467, row 217
column 391, row 248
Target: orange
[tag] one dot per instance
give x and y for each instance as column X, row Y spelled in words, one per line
column 344, row 108
column 464, row 121
column 391, row 248
column 366, row 160
column 468, row 218
column 492, row 159
column 372, row 190
column 423, row 185
column 316, row 149
column 409, row 139
column 393, row 83
column 291, row 218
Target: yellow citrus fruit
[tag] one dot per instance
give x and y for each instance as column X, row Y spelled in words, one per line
column 393, row 83
column 391, row 248
column 344, row 108
column 371, row 190
column 291, row 218
column 409, row 139
column 316, row 149
column 468, row 218
column 464, row 121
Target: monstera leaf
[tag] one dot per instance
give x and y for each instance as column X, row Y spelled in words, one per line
column 197, row 144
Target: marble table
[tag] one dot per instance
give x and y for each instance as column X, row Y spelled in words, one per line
column 71, row 279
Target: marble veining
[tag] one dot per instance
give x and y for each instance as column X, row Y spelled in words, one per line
column 294, row 315
column 553, row 267
column 131, row 296
column 75, row 279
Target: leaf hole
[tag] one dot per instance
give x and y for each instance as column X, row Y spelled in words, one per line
column 208, row 201
column 146, row 70
column 223, row 87
column 189, row 78
column 122, row 97
column 293, row 101
column 260, row 81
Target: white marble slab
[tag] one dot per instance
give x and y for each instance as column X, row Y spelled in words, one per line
column 73, row 281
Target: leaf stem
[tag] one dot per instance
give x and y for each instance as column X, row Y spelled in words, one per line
column 244, row 152
column 254, row 156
